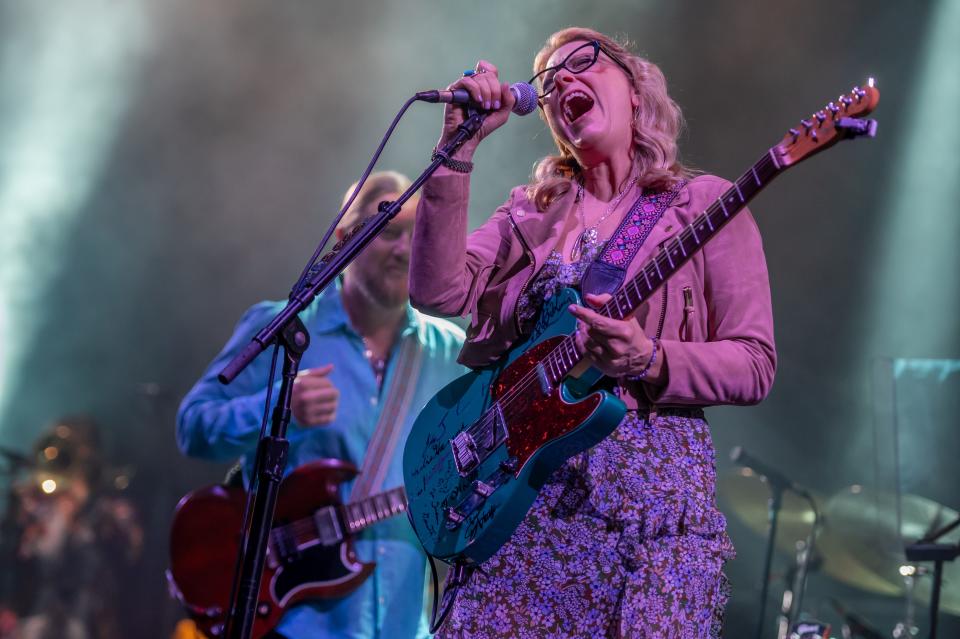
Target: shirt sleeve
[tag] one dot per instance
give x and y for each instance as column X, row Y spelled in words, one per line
column 222, row 422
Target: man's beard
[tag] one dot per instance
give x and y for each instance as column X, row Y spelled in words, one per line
column 384, row 292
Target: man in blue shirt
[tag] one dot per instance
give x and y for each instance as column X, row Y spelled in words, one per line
column 358, row 329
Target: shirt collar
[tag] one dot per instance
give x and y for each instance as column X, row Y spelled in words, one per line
column 330, row 315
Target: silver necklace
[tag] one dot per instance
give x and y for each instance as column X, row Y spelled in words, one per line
column 378, row 364
column 589, row 234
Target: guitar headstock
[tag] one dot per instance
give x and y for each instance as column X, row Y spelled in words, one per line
column 834, row 122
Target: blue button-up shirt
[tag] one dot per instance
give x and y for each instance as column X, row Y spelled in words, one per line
column 223, row 423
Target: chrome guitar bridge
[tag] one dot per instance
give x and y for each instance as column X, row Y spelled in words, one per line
column 465, row 455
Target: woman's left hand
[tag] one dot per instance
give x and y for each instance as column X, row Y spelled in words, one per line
column 619, row 348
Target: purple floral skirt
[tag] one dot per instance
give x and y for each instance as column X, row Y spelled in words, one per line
column 624, row 541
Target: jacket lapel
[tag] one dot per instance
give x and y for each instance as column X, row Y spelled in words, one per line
column 540, row 231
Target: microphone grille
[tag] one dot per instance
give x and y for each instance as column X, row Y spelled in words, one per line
column 526, row 97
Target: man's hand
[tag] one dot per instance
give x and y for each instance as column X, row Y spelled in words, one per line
column 315, row 398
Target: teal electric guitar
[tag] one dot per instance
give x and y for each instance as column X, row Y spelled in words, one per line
column 483, row 446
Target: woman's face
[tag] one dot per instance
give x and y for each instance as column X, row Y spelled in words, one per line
column 591, row 112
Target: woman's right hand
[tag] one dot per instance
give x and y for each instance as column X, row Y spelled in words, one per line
column 484, row 88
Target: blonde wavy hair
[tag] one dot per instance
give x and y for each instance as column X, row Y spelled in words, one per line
column 655, row 129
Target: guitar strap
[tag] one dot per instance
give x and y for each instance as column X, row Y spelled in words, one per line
column 393, row 413
column 606, row 273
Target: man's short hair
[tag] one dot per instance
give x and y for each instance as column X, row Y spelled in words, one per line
column 377, row 185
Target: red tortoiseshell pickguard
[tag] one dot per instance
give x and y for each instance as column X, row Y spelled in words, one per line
column 532, row 418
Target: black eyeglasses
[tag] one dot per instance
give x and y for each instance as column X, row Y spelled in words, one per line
column 578, row 61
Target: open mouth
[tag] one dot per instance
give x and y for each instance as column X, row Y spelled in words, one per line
column 575, row 104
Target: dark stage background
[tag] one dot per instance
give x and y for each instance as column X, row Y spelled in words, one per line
column 163, row 165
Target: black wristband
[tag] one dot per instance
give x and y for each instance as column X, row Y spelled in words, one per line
column 460, row 166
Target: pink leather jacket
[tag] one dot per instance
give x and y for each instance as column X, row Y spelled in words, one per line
column 717, row 330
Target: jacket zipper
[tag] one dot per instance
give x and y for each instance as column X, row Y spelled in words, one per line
column 663, row 309
column 526, row 248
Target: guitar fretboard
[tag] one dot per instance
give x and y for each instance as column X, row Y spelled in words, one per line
column 360, row 514
column 671, row 256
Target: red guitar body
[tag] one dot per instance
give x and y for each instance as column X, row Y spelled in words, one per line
column 205, row 542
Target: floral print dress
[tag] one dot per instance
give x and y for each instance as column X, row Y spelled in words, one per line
column 624, row 540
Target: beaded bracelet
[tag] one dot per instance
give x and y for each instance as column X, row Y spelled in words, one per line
column 646, row 369
column 460, row 166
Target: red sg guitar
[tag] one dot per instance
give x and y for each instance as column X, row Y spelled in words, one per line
column 310, row 553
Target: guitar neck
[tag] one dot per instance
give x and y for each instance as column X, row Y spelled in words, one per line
column 366, row 512
column 673, row 254
column 678, row 250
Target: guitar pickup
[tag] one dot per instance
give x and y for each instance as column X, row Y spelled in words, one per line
column 465, row 454
column 328, row 526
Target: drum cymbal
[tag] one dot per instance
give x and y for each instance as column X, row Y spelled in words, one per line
column 745, row 494
column 864, row 548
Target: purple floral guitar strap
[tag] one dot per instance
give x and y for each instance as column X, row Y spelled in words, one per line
column 607, row 272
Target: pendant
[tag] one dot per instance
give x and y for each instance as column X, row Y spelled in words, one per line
column 588, row 236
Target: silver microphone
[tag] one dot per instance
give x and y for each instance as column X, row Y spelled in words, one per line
column 524, row 94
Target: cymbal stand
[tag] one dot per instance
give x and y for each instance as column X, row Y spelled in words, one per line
column 927, row 549
column 792, row 602
column 773, row 514
column 908, row 628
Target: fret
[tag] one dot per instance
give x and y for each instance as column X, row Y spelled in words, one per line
column 723, row 207
column 666, row 251
column 636, row 289
column 567, row 350
column 739, row 194
column 632, row 286
column 367, row 513
column 354, row 523
column 556, row 366
column 753, row 169
column 616, row 301
column 656, row 264
column 693, row 230
column 773, row 158
column 649, row 286
column 682, row 249
column 706, row 217
column 624, row 302
column 396, row 502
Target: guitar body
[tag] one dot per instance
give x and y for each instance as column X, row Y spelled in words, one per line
column 205, row 542
column 523, row 430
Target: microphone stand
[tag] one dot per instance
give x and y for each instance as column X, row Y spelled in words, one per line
column 773, row 514
column 288, row 331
